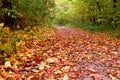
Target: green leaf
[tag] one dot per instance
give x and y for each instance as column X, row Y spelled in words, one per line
column 9, row 13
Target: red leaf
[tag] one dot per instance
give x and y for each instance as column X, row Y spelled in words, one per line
column 37, row 60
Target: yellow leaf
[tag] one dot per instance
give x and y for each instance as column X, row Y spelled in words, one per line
column 16, row 63
column 103, row 60
column 29, row 55
column 25, row 35
column 22, row 43
column 92, row 70
column 30, row 77
column 51, row 60
column 58, row 72
column 111, row 76
column 21, row 55
column 65, row 77
column 17, row 44
column 89, row 57
column 1, row 78
column 99, row 53
column 6, row 30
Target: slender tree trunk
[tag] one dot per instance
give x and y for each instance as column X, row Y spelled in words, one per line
column 115, row 1
column 99, row 8
column 8, row 20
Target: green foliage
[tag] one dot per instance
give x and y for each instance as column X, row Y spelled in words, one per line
column 86, row 26
column 30, row 12
column 7, row 49
column 12, row 12
column 37, row 11
column 104, row 14
column 11, row 41
column 63, row 14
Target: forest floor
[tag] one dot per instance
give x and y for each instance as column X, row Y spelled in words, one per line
column 66, row 54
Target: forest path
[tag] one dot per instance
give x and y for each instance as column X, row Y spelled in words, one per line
column 94, row 56
column 66, row 54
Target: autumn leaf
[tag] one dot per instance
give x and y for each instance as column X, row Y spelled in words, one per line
column 65, row 77
column 7, row 64
column 63, row 55
column 41, row 66
column 52, row 60
column 37, row 60
column 6, row 30
column 111, row 76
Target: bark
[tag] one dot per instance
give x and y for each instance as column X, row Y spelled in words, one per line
column 115, row 1
column 8, row 20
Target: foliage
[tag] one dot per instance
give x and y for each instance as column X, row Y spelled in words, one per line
column 36, row 11
column 10, row 41
column 63, row 13
column 31, row 12
column 96, row 12
column 40, row 53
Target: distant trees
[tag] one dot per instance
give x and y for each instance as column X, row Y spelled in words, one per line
column 105, row 13
column 99, row 12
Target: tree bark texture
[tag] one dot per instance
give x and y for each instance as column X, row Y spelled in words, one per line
column 8, row 20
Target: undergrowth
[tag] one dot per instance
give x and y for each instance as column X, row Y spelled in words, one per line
column 113, row 33
column 11, row 41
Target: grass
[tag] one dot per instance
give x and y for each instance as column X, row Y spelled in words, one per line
column 95, row 28
column 84, row 26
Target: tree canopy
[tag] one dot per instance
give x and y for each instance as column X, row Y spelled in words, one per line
column 34, row 12
column 97, row 12
column 27, row 12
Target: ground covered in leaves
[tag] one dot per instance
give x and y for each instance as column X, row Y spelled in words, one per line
column 64, row 54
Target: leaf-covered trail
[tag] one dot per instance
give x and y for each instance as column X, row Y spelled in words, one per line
column 68, row 54
column 92, row 55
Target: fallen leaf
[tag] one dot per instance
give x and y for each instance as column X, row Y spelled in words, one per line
column 65, row 77
column 66, row 68
column 7, row 64
column 52, row 60
column 91, row 69
column 1, row 78
column 37, row 60
column 10, row 78
column 30, row 78
column 111, row 76
column 89, row 57
column 58, row 72
column 41, row 65
column 29, row 55
column 89, row 78
column 15, row 75
column 72, row 75
column 35, row 70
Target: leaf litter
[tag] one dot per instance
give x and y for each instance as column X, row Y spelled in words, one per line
column 67, row 54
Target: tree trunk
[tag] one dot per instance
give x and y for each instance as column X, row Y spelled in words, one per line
column 115, row 1
column 99, row 8
column 8, row 20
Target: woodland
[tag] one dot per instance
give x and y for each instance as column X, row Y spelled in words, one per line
column 59, row 40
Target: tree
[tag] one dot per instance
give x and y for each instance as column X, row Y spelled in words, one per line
column 8, row 14
column 27, row 12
